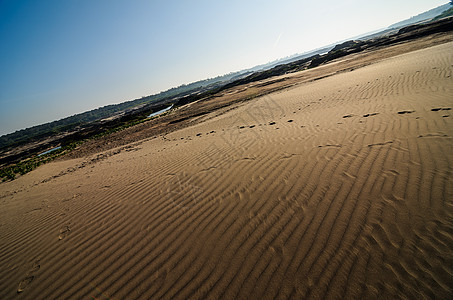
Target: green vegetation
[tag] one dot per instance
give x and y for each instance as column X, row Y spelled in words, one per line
column 22, row 163
column 447, row 13
column 67, row 124
column 10, row 172
column 124, row 125
column 28, row 165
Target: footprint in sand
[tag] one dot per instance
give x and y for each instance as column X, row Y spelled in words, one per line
column 24, row 283
column 36, row 266
column 28, row 278
column 441, row 108
column 330, row 145
column 403, row 112
column 64, row 232
column 369, row 115
column 432, row 135
column 380, row 144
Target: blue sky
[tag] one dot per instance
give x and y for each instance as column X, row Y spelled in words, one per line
column 59, row 58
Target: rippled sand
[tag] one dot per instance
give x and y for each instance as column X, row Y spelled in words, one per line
column 337, row 188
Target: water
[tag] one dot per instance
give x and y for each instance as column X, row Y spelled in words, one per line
column 160, row 111
column 48, row 151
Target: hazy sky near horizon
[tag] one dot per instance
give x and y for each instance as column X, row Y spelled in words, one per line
column 59, row 58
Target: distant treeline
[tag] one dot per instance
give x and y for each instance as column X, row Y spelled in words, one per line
column 340, row 50
column 69, row 123
column 422, row 17
column 184, row 94
column 447, row 13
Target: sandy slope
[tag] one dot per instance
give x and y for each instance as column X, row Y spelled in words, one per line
column 338, row 188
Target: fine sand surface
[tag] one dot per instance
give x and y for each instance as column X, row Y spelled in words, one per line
column 337, row 188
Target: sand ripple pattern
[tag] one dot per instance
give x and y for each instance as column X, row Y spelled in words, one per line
column 321, row 191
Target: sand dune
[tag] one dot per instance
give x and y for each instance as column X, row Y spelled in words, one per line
column 337, row 188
